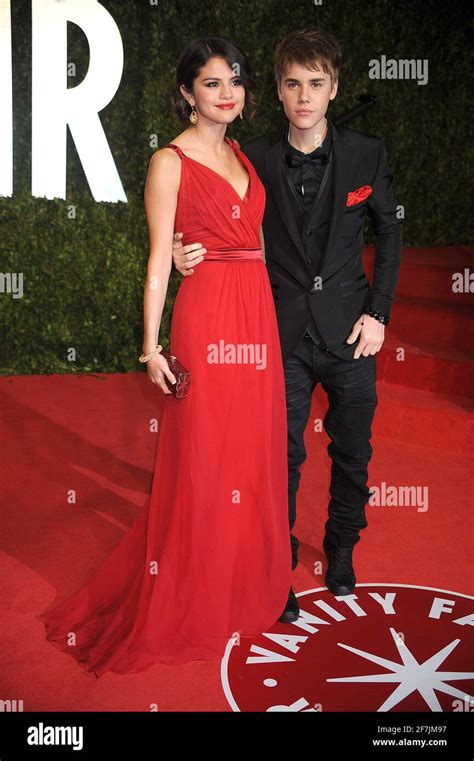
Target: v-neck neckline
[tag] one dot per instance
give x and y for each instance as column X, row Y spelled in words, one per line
column 242, row 200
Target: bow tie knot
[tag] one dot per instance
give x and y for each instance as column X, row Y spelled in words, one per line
column 319, row 155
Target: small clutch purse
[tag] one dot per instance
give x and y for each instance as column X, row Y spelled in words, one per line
column 181, row 373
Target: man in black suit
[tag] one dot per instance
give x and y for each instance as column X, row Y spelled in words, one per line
column 320, row 180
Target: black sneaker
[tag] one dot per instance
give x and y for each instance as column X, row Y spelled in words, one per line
column 292, row 610
column 340, row 578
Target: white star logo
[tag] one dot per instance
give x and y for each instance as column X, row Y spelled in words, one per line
column 411, row 675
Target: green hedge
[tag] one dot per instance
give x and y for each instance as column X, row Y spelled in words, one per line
column 83, row 277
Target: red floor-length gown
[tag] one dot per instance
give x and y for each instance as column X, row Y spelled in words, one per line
column 208, row 555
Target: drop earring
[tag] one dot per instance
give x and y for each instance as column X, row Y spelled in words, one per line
column 193, row 116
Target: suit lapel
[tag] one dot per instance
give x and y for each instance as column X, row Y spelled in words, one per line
column 340, row 184
column 277, row 180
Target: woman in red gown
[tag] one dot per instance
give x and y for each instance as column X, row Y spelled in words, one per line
column 208, row 556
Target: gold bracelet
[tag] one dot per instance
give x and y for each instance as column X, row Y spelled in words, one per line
column 146, row 357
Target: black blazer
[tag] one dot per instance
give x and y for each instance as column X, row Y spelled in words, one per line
column 342, row 293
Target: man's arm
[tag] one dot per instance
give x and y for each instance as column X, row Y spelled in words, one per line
column 382, row 209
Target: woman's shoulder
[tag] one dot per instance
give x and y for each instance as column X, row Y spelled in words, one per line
column 165, row 166
column 166, row 157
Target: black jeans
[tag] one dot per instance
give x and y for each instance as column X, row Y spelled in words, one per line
column 350, row 386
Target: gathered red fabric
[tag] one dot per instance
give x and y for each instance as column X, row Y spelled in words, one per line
column 208, row 556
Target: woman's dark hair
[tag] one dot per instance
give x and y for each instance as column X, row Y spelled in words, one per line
column 196, row 56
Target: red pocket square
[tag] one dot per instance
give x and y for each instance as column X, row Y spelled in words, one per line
column 356, row 196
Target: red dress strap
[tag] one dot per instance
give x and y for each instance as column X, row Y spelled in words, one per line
column 233, row 143
column 175, row 147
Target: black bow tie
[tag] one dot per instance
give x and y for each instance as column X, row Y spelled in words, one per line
column 293, row 160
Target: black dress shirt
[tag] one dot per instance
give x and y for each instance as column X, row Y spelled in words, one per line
column 305, row 179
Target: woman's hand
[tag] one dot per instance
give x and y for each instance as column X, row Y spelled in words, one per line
column 157, row 368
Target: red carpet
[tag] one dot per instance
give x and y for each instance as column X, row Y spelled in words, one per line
column 77, row 461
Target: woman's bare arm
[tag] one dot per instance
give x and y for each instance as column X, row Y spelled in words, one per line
column 161, row 197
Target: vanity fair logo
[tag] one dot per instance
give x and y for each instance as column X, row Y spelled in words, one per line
column 387, row 647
